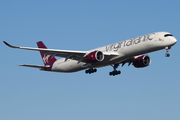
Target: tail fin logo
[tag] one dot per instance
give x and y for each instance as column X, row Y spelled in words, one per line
column 46, row 59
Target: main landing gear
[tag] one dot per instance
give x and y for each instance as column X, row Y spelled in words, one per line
column 115, row 72
column 167, row 51
column 90, row 70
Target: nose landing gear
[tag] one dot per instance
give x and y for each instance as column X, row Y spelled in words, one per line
column 167, row 51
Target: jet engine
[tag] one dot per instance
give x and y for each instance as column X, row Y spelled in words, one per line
column 95, row 56
column 142, row 61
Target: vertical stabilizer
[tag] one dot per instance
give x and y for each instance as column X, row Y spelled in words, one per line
column 47, row 59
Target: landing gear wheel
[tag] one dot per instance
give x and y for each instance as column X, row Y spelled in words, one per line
column 167, row 54
column 90, row 70
column 110, row 73
column 115, row 73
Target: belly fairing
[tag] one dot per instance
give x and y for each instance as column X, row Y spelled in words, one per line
column 67, row 66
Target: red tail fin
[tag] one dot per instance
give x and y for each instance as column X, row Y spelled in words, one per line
column 47, row 59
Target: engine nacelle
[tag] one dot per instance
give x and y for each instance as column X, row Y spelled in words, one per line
column 142, row 61
column 96, row 56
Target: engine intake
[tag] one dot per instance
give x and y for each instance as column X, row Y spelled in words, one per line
column 95, row 56
column 142, row 61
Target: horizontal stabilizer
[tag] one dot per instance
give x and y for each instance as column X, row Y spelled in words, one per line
column 35, row 66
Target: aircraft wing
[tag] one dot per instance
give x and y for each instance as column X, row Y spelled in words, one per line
column 35, row 66
column 68, row 54
column 128, row 60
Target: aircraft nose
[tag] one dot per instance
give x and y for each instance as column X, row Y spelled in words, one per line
column 174, row 40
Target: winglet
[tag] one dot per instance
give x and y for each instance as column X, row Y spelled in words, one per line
column 10, row 45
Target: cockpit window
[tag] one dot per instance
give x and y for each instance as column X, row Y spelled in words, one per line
column 166, row 35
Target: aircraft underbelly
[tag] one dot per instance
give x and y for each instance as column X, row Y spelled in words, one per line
column 67, row 66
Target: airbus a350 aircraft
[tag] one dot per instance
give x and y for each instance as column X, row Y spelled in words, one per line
column 128, row 51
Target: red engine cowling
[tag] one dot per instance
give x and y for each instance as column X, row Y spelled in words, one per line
column 142, row 61
column 96, row 56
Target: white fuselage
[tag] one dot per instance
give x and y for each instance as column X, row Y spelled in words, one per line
column 125, row 49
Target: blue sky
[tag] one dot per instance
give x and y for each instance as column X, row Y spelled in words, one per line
column 151, row 93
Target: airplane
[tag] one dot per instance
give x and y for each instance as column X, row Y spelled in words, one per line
column 132, row 51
